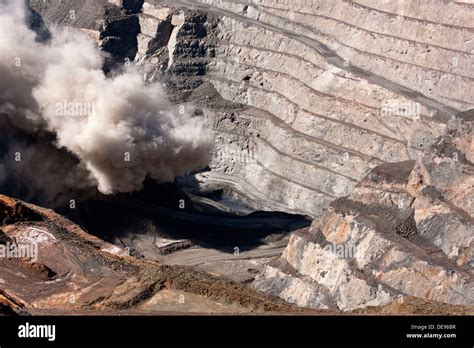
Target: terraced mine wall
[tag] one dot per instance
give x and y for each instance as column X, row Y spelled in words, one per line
column 309, row 96
column 317, row 102
column 407, row 230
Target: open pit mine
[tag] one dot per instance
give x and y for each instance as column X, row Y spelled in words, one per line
column 235, row 157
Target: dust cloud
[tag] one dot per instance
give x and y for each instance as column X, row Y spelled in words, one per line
column 65, row 125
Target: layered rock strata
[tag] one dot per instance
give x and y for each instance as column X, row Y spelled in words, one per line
column 406, row 230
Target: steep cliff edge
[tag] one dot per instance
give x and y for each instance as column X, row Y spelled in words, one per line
column 406, row 230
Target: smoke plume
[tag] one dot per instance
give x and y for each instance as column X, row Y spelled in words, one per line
column 65, row 125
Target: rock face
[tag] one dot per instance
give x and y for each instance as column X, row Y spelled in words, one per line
column 406, row 230
column 113, row 24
